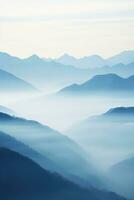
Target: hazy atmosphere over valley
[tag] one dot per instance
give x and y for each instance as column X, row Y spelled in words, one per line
column 67, row 100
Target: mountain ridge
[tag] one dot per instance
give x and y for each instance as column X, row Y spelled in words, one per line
column 101, row 83
column 30, row 182
column 63, row 151
column 9, row 82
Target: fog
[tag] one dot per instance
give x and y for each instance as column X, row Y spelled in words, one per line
column 10, row 99
column 107, row 142
column 61, row 112
column 101, row 144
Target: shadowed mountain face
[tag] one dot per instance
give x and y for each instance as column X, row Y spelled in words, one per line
column 24, row 179
column 121, row 111
column 100, row 84
column 10, row 83
column 9, row 142
column 64, row 152
column 119, row 114
column 122, row 177
column 108, row 137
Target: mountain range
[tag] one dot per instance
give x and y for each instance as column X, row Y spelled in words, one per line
column 41, row 73
column 24, row 179
column 95, row 61
column 58, row 148
column 91, row 158
column 6, row 141
column 82, row 63
column 108, row 136
column 122, row 177
column 54, row 74
column 100, row 84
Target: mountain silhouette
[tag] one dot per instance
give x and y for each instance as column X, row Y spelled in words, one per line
column 117, row 114
column 120, row 69
column 87, row 62
column 11, row 83
column 120, row 113
column 122, row 177
column 109, row 132
column 60, row 149
column 124, row 57
column 24, row 179
column 6, row 141
column 41, row 73
column 96, row 61
column 107, row 83
column 58, row 73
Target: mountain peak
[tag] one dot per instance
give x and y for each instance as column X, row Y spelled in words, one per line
column 124, row 57
column 104, row 77
column 34, row 56
column 66, row 58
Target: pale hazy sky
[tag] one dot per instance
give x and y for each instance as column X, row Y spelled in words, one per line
column 50, row 28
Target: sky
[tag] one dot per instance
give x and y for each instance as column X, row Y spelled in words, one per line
column 51, row 28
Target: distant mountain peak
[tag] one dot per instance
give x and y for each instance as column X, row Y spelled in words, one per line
column 83, row 62
column 124, row 57
column 66, row 59
column 34, row 57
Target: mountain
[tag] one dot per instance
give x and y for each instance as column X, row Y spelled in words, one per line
column 4, row 109
column 55, row 74
column 121, row 64
column 120, row 114
column 66, row 59
column 122, row 177
column 24, row 179
column 120, row 69
column 124, row 57
column 99, row 84
column 108, row 136
column 64, row 152
column 6, row 141
column 11, row 83
column 93, row 61
column 43, row 74
column 5, row 58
